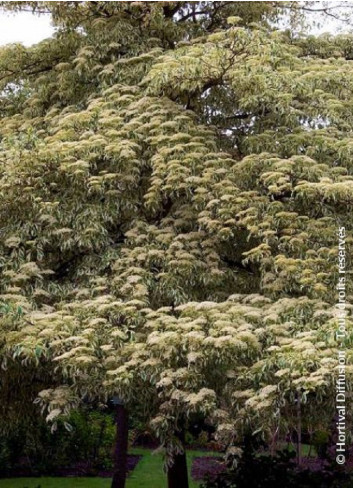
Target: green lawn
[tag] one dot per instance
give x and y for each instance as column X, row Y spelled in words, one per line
column 148, row 473
column 305, row 449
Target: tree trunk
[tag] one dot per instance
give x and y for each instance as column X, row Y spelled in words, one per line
column 178, row 472
column 299, row 430
column 121, row 444
column 273, row 444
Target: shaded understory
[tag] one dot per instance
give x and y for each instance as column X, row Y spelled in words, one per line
column 147, row 473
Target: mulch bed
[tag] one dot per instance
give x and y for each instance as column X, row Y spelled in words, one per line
column 79, row 469
column 203, row 467
column 83, row 469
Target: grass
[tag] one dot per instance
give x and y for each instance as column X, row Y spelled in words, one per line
column 147, row 473
column 305, row 451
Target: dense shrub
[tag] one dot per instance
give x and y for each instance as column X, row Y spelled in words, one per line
column 90, row 440
column 279, row 470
